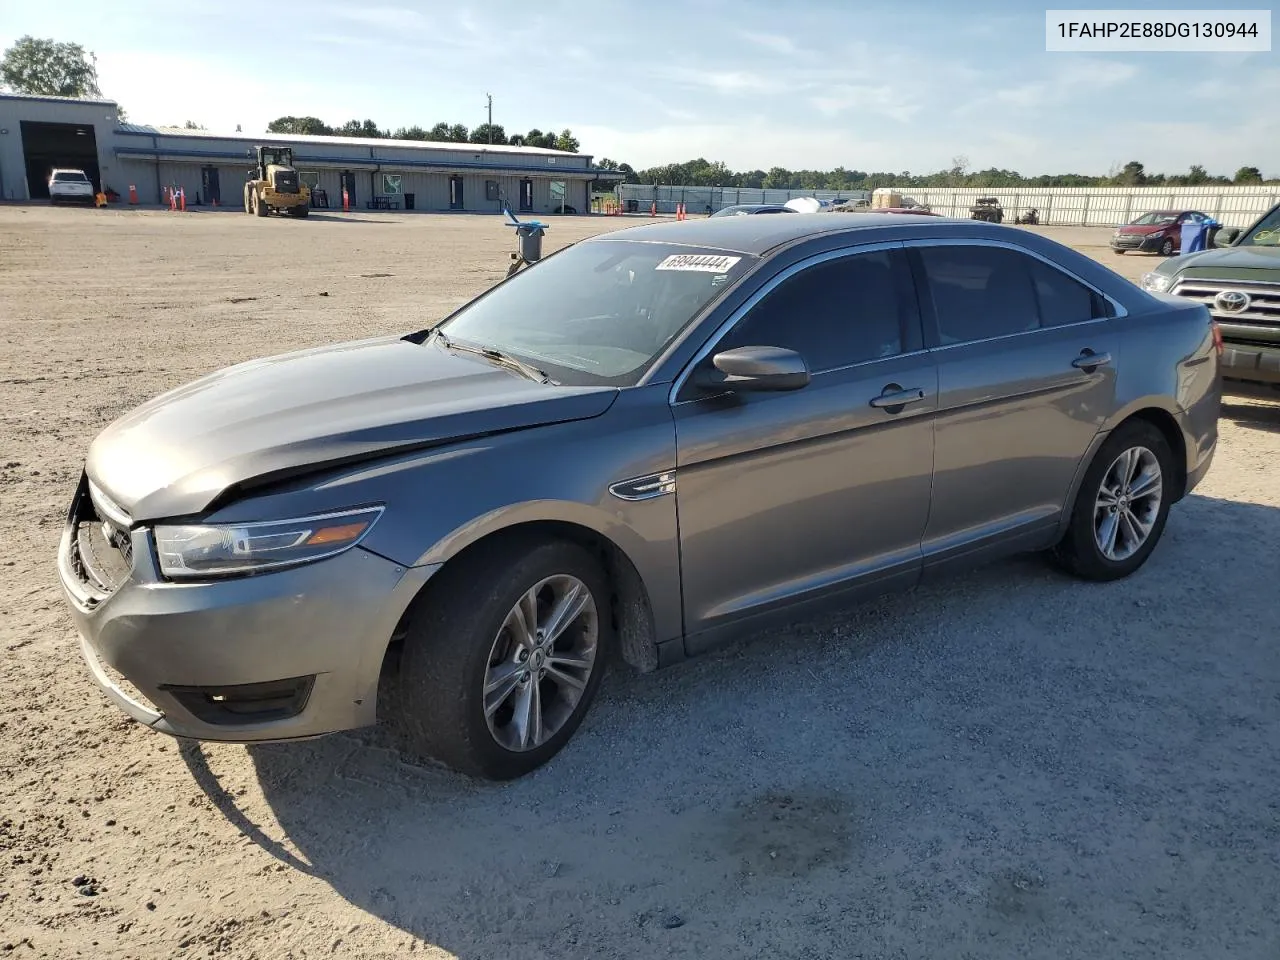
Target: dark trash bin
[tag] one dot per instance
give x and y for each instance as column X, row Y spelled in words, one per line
column 633, row 206
column 408, row 201
column 529, row 241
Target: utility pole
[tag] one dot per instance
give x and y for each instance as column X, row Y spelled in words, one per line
column 490, row 98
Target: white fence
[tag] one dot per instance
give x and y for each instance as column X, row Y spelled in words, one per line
column 1108, row 206
column 643, row 197
column 1075, row 206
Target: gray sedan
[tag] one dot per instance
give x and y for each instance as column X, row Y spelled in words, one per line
column 648, row 443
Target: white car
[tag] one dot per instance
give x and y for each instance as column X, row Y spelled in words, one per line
column 70, row 186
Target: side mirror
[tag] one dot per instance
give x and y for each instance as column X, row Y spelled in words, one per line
column 755, row 369
column 1226, row 236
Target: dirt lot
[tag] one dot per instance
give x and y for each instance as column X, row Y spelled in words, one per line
column 1011, row 765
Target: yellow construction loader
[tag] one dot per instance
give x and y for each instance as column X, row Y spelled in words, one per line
column 274, row 186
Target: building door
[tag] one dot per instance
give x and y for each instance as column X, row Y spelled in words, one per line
column 455, row 193
column 349, row 185
column 526, row 195
column 48, row 146
column 209, row 188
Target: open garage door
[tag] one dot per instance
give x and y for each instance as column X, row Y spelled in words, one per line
column 46, row 146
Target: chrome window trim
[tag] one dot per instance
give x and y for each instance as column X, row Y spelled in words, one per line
column 1120, row 310
column 1017, row 333
column 721, row 331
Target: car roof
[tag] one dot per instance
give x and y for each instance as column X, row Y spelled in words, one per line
column 758, row 235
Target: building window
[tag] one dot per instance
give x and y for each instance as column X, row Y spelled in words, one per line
column 391, row 184
column 491, row 190
column 557, row 196
column 526, row 194
column 455, row 193
column 309, row 177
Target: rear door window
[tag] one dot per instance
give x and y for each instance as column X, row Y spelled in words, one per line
column 979, row 292
column 1062, row 299
column 983, row 292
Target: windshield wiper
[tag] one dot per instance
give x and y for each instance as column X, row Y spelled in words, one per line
column 497, row 356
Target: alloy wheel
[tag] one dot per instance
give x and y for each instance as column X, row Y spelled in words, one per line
column 540, row 662
column 1127, row 504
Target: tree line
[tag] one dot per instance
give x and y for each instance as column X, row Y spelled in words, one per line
column 705, row 173
column 485, row 133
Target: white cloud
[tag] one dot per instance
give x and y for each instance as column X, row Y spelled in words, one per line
column 721, row 81
column 252, row 100
column 881, row 100
column 771, row 41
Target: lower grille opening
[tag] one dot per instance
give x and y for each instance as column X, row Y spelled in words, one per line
column 245, row 702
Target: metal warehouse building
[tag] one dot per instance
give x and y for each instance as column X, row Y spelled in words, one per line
column 40, row 133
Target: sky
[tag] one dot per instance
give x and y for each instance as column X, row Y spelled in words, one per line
column 870, row 85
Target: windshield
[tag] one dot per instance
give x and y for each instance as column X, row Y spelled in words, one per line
column 1150, row 219
column 1266, row 233
column 598, row 312
column 70, row 176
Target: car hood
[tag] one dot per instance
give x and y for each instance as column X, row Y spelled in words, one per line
column 175, row 454
column 1233, row 258
column 1146, row 228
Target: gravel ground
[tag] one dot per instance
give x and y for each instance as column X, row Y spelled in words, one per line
column 1009, row 765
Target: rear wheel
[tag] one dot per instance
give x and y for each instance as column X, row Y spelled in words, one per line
column 500, row 664
column 1121, row 508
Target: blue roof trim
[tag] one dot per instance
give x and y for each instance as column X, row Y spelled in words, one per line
column 162, row 153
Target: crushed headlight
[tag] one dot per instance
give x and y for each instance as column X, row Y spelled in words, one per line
column 222, row 550
column 1156, row 282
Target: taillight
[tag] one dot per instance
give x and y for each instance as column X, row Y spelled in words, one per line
column 1217, row 336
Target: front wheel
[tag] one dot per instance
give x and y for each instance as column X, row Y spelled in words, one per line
column 500, row 664
column 1166, row 248
column 260, row 208
column 1121, row 508
column 300, row 211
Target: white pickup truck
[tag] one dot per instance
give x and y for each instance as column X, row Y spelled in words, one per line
column 70, row 186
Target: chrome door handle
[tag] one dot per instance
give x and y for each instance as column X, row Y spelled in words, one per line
column 1089, row 360
column 897, row 397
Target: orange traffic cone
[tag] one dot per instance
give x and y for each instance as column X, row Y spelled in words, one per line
column 133, row 194
column 346, row 201
column 182, row 193
column 653, row 209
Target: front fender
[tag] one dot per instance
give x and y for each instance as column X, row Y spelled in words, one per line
column 440, row 501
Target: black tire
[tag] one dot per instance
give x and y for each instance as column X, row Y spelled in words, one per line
column 1078, row 551
column 301, row 210
column 260, row 209
column 248, row 203
column 1166, row 248
column 1119, row 253
column 449, row 642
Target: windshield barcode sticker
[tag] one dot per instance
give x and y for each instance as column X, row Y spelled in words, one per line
column 702, row 263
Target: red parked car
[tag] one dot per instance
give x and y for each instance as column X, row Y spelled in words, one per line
column 1159, row 231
